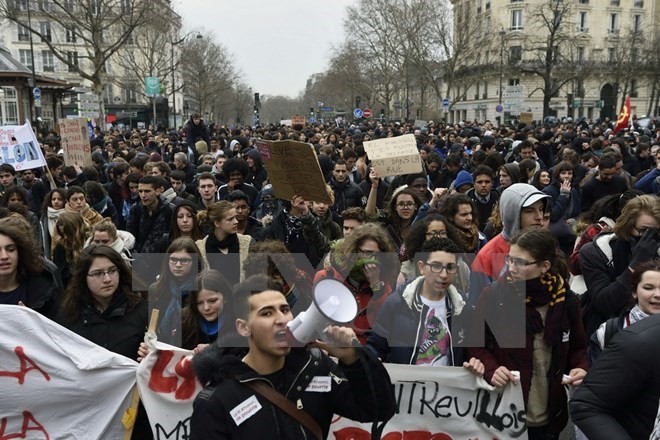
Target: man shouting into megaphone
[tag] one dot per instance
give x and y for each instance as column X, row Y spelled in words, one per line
column 272, row 391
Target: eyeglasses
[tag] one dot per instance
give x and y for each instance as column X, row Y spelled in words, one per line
column 182, row 261
column 518, row 262
column 405, row 204
column 436, row 234
column 100, row 274
column 367, row 254
column 439, row 267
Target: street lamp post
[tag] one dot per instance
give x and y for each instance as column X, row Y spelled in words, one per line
column 34, row 76
column 502, row 34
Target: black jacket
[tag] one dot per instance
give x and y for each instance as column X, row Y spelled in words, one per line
column 149, row 229
column 350, row 395
column 347, row 195
column 44, row 291
column 619, row 396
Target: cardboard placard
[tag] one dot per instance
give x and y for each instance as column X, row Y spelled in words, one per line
column 526, row 117
column 297, row 119
column 75, row 142
column 394, row 156
column 19, row 147
column 293, row 169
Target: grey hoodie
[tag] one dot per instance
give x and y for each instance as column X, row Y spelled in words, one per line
column 511, row 203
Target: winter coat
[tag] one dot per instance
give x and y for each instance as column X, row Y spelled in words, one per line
column 148, row 229
column 196, row 133
column 564, row 205
column 244, row 244
column 258, row 176
column 608, row 288
column 569, row 354
column 619, row 397
column 44, row 291
column 350, row 394
column 347, row 195
column 123, row 244
column 399, row 327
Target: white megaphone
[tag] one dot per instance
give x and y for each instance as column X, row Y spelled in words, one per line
column 333, row 303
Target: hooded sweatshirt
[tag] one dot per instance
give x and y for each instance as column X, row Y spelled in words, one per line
column 489, row 262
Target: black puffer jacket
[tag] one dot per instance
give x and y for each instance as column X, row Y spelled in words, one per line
column 619, row 396
column 349, row 396
column 149, row 229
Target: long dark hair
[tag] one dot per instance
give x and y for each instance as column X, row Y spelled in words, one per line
column 214, row 281
column 29, row 260
column 175, row 233
column 49, row 198
column 417, row 233
column 77, row 295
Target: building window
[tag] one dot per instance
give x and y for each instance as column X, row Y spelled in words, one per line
column 637, row 23
column 23, row 33
column 44, row 28
column 487, row 5
column 582, row 21
column 94, row 7
column 615, row 2
column 516, row 1
column 634, row 55
column 72, row 60
column 516, row 20
column 485, row 90
column 130, row 94
column 639, row 3
column 614, row 24
column 68, row 5
column 633, row 88
column 514, row 81
column 8, row 106
column 580, row 88
column 47, row 61
column 580, row 54
column 584, row 2
column 611, row 55
column 515, row 54
column 21, row 5
column 125, row 6
column 25, row 57
column 44, row 5
column 71, row 35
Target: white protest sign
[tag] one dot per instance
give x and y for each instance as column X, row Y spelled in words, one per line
column 75, row 142
column 444, row 403
column 55, row 384
column 168, row 386
column 20, row 148
column 394, row 156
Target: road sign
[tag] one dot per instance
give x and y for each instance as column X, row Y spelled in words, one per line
column 357, row 113
column 312, row 119
column 445, row 102
column 325, row 109
column 255, row 118
column 126, row 115
column 36, row 92
column 367, row 113
column 499, row 108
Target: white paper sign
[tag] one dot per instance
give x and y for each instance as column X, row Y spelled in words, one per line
column 55, row 384
column 20, row 148
column 394, row 156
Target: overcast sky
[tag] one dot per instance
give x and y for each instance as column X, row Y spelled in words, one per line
column 276, row 44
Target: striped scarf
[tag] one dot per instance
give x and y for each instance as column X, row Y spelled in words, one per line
column 549, row 289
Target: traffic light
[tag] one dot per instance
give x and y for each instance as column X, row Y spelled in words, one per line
column 311, row 111
column 256, row 110
column 382, row 113
column 256, row 99
column 357, row 102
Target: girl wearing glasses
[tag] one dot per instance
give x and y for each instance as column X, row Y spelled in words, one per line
column 176, row 281
column 532, row 308
column 415, row 324
column 100, row 306
column 400, row 212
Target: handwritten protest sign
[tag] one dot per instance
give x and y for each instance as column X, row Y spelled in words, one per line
column 293, row 169
column 20, row 148
column 55, row 384
column 445, row 403
column 75, row 142
column 394, row 156
column 297, row 119
column 168, row 388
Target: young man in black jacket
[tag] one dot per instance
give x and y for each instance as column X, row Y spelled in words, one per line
column 358, row 387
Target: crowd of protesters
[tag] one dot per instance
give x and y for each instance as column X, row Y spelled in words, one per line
column 562, row 218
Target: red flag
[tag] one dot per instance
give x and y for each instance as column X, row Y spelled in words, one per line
column 624, row 117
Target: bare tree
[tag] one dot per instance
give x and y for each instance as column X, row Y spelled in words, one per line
column 208, row 74
column 549, row 49
column 98, row 27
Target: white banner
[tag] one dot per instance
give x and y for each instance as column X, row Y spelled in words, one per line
column 20, row 148
column 444, row 403
column 168, row 388
column 434, row 403
column 55, row 384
